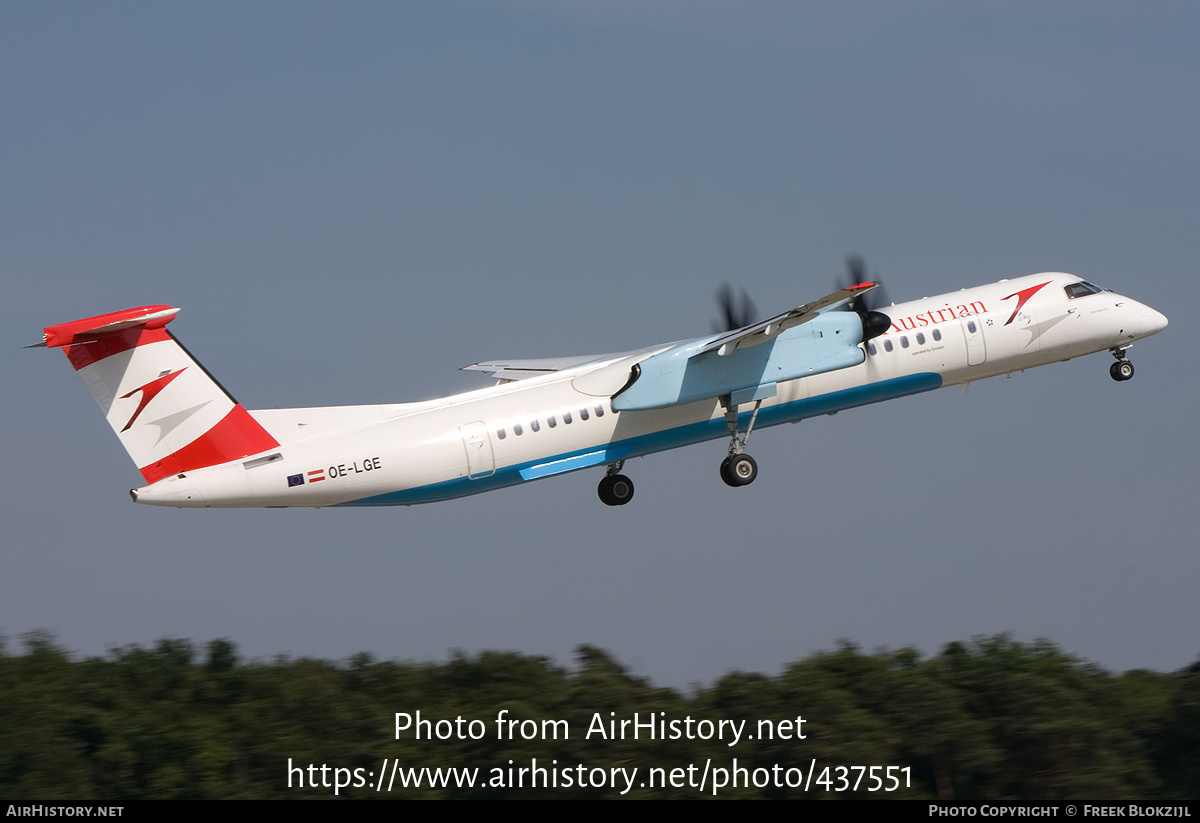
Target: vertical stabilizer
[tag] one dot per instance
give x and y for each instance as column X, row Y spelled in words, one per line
column 168, row 412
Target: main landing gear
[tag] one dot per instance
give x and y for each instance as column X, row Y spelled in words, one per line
column 738, row 469
column 1122, row 370
column 615, row 489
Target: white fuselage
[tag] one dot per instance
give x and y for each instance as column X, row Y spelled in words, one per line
column 563, row 421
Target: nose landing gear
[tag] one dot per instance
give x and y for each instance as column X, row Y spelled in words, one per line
column 1122, row 370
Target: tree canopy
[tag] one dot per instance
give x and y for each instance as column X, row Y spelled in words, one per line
column 990, row 719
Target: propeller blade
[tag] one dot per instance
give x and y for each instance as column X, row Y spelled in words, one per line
column 736, row 308
column 866, row 306
column 880, row 297
column 856, row 269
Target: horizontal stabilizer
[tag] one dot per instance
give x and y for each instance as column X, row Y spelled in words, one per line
column 93, row 328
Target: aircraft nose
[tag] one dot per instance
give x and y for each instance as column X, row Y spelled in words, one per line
column 1152, row 322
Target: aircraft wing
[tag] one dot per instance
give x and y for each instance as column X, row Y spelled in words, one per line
column 763, row 331
column 521, row 369
column 802, row 342
column 752, row 335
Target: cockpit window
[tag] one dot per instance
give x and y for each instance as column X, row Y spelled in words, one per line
column 1081, row 289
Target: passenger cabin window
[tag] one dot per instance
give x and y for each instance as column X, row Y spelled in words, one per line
column 937, row 334
column 1081, row 289
column 920, row 338
column 535, row 426
column 904, row 342
column 567, row 418
column 551, row 421
column 887, row 345
column 599, row 411
column 517, row 430
column 871, row 348
column 583, row 415
column 500, row 433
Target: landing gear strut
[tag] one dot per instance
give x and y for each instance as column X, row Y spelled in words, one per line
column 738, row 469
column 1121, row 370
column 615, row 489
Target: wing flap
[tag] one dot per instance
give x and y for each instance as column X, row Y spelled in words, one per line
column 508, row 370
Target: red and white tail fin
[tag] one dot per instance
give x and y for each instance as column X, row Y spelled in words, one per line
column 169, row 413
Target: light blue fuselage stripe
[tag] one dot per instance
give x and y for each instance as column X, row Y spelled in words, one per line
column 557, row 465
column 658, row 441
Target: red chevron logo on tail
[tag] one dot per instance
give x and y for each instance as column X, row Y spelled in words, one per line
column 149, row 392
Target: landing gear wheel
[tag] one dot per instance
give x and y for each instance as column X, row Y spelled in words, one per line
column 1121, row 370
column 615, row 490
column 739, row 470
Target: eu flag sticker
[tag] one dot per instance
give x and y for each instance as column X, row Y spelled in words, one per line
column 295, row 480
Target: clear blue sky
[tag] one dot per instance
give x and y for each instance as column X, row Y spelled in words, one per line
column 350, row 201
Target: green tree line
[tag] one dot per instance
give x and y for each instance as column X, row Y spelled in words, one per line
column 991, row 719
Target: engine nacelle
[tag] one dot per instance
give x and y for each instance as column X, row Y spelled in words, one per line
column 679, row 375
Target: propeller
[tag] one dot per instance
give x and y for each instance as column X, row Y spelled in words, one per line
column 736, row 307
column 866, row 306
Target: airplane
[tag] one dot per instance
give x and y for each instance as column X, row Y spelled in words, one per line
column 197, row 447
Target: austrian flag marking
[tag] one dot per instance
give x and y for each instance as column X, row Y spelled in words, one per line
column 314, row 476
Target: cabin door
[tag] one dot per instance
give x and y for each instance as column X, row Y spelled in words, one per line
column 478, row 443
column 976, row 347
